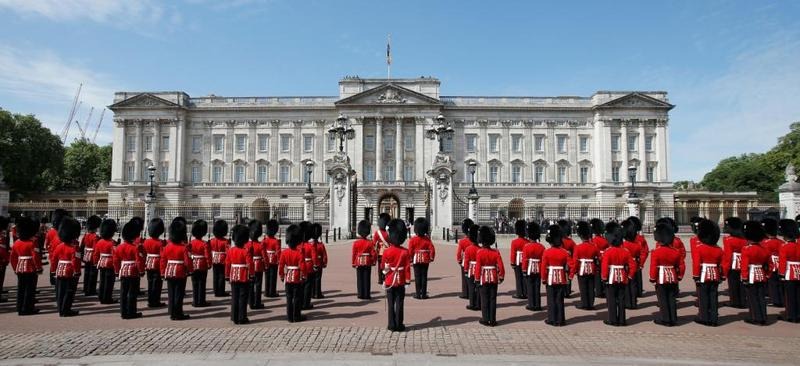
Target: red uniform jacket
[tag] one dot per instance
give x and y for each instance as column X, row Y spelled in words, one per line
column 68, row 253
column 636, row 250
column 515, row 255
column 693, row 243
column 239, row 257
column 731, row 245
column 321, row 255
column 470, row 255
column 397, row 266
column 103, row 247
column 421, row 249
column 219, row 250
column 176, row 252
column 618, row 256
column 292, row 258
column 51, row 240
column 128, row 252
column 790, row 252
column 272, row 250
column 4, row 249
column 773, row 245
column 86, row 249
column 709, row 254
column 200, row 253
column 257, row 251
column 555, row 257
column 755, row 255
column 25, row 248
column 309, row 255
column 363, row 253
column 489, row 268
column 380, row 244
column 463, row 244
column 532, row 250
column 568, row 244
column 586, row 251
column 645, row 251
column 152, row 252
column 601, row 243
column 677, row 243
column 666, row 256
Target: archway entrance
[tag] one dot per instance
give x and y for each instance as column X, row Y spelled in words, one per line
column 516, row 208
column 390, row 204
column 260, row 210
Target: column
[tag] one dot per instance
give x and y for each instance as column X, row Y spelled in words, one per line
column 735, row 209
column 528, row 151
column 274, row 149
column 398, row 150
column 118, row 152
column 297, row 150
column 419, row 149
column 379, row 149
column 227, row 169
column 623, row 170
column 661, row 151
column 138, row 154
column 250, row 150
column 177, row 141
column 319, row 151
column 574, row 144
column 550, row 152
column 356, row 151
column 483, row 148
column 505, row 152
column 156, row 143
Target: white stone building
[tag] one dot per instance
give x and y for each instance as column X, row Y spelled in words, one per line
column 530, row 151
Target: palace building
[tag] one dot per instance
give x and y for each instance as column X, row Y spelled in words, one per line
column 565, row 151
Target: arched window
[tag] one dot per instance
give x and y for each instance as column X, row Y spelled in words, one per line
column 539, row 168
column 262, row 171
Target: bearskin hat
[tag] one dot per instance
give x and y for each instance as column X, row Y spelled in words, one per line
column 294, row 236
column 181, row 219
column 534, row 231
column 473, row 234
column 584, row 230
column 316, row 230
column 733, row 227
column 130, row 231
column 465, row 225
column 663, row 234
column 58, row 215
column 638, row 223
column 272, row 227
column 770, row 226
column 69, row 230
column 3, row 223
column 486, row 236
column 753, row 231
column 554, row 235
column 305, row 230
column 788, row 229
column 199, row 229
column 598, row 226
column 93, row 222
column 629, row 231
column 364, row 228
column 397, row 232
column 421, row 226
column 708, row 232
column 614, row 234
column 240, row 235
column 566, row 227
column 694, row 221
column 177, row 232
column 26, row 227
column 255, row 229
column 383, row 220
column 520, row 227
column 156, row 228
column 108, row 228
column 138, row 221
column 220, row 229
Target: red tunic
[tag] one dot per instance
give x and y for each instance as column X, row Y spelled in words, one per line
column 773, row 245
column 421, row 250
column 25, row 258
column 568, row 244
column 515, row 255
column 379, row 239
column 645, row 251
column 152, row 251
column 257, row 251
column 397, row 266
column 489, row 266
column 618, row 256
column 51, row 240
column 128, row 261
column 677, row 243
column 710, row 255
column 363, row 253
column 200, row 254
column 291, row 266
column 636, row 250
column 755, row 264
column 666, row 265
column 584, row 254
column 321, row 255
column 731, row 245
column 87, row 246
column 463, row 244
column 238, row 265
column 65, row 262
column 790, row 252
column 176, row 257
column 103, row 249
column 219, row 249
column 272, row 250
column 469, row 260
column 308, row 256
column 554, row 266
column 532, row 257
column 693, row 243
column 601, row 243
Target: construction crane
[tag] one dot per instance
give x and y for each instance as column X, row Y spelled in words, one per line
column 75, row 106
column 85, row 127
column 99, row 123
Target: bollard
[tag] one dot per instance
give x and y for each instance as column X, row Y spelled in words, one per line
column 447, row 230
column 326, row 236
column 455, row 235
column 444, row 231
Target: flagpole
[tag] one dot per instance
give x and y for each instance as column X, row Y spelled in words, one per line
column 389, row 57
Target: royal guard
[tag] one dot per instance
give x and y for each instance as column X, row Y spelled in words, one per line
column 755, row 272
column 789, row 268
column 363, row 258
column 51, row 240
column 490, row 274
column 176, row 265
column 732, row 245
column 463, row 244
column 272, row 251
column 152, row 262
column 66, row 266
column 423, row 254
column 531, row 265
column 237, row 270
column 569, row 245
column 257, row 251
column 309, row 259
column 26, row 261
column 4, row 253
column 379, row 239
column 584, row 259
column 707, row 272
column 694, row 241
column 468, row 264
column 773, row 244
column 129, row 267
column 600, row 242
column 617, row 270
column 555, row 273
column 102, row 257
column 320, row 261
column 87, row 247
column 515, row 255
column 219, row 248
column 666, row 270
column 630, row 244
column 643, row 253
column 200, row 253
column 397, row 271
column 292, row 271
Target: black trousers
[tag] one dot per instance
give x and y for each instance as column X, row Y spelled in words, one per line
column 129, row 287
column 599, row 287
column 631, row 298
column 176, row 290
column 154, row 286
column 65, row 294
column 464, row 285
column 472, row 288
column 757, row 301
column 615, row 296
column 708, row 302
column 586, row 287
column 533, row 283
column 379, row 267
column 254, row 296
column 308, row 285
column 421, row 280
column 555, row 304
column 2, row 277
column 639, row 283
column 488, row 302
column 26, row 292
column 395, row 296
column 271, row 278
column 239, row 293
column 89, row 279
column 316, row 286
column 775, row 289
column 106, row 291
column 218, row 279
column 736, row 289
column 363, row 284
column 519, row 283
column 199, row 288
column 294, row 302
column 792, row 300
column 667, row 302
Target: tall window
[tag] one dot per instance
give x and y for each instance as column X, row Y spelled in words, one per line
column 165, row 143
column 308, row 143
column 472, row 143
column 632, row 142
column 241, row 143
column 331, row 142
column 131, row 142
column 408, row 172
column 263, row 143
column 130, row 172
column 539, row 143
column 197, row 143
column 447, row 144
column 648, row 142
column 494, row 143
column 164, row 175
column 516, row 143
column 369, row 172
column 219, row 143
column 584, row 144
column 562, row 174
column 369, row 143
column 388, row 143
column 651, row 174
column 238, row 173
column 615, row 142
column 615, row 173
column 516, row 173
column 216, row 174
column 286, row 142
column 148, row 143
column 584, row 174
column 262, row 173
column 196, row 178
column 494, row 171
column 284, row 173
column 538, row 175
column 561, row 142
column 408, row 141
column 388, row 172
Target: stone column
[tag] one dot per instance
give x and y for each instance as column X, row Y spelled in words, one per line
column 441, row 175
column 138, row 169
column 472, row 207
column 735, row 209
column 789, row 194
column 550, row 152
column 274, row 150
column 379, row 149
column 661, row 151
column 633, row 205
column 119, row 151
column 340, row 209
column 419, row 148
column 179, row 142
column 398, row 150
column 149, row 207
column 623, row 170
column 356, row 150
column 308, row 206
column 250, row 151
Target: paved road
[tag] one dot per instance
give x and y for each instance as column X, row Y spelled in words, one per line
column 340, row 323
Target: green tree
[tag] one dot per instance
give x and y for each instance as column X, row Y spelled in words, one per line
column 103, row 170
column 31, row 156
column 82, row 162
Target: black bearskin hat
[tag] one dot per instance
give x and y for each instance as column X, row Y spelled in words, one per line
column 240, row 235
column 554, row 235
column 465, row 225
column 668, row 220
column 598, row 226
column 108, row 228
column 177, row 232
column 294, row 236
column 130, row 231
column 534, row 231
column 694, row 221
column 421, row 226
column 364, row 228
column 199, row 229
column 272, row 227
column 220, row 229
column 486, row 236
column 69, row 230
column 93, row 222
column 733, row 227
column 638, row 223
column 316, row 230
column 397, row 232
column 58, row 215
column 663, row 234
column 566, row 227
column 584, row 230
column 181, row 219
column 255, row 229
column 3, row 223
column 770, row 226
column 520, row 227
column 156, row 228
column 473, row 234
column 383, row 221
column 629, row 231
column 708, row 232
column 614, row 234
column 138, row 221
column 788, row 229
column 753, row 231
column 26, row 227
column 305, row 230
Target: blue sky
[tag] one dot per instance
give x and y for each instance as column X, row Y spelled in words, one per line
column 731, row 67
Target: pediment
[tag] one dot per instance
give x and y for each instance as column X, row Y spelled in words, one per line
column 389, row 95
column 144, row 100
column 636, row 101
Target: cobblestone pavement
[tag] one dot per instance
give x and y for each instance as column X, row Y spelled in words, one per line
column 340, row 323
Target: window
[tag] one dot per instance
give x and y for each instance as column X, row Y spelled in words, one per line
column 241, row 143
column 369, row 143
column 197, row 143
column 196, row 174
column 219, row 143
column 516, row 143
column 632, row 142
column 538, row 176
column 308, row 143
column 494, row 170
column 238, row 173
column 148, row 143
column 584, row 174
column 562, row 174
column 263, row 143
column 472, row 143
column 561, row 141
column 262, row 173
column 615, row 142
column 516, row 173
column 584, row 144
column 216, row 174
column 648, row 142
column 331, row 142
column 131, row 143
column 286, row 143
column 408, row 172
column 408, row 142
column 131, row 172
column 165, row 143
column 285, row 173
column 388, row 143
column 651, row 174
column 447, row 144
column 369, row 172
column 494, row 143
column 615, row 174
column 388, row 172
column 539, row 143
column 164, row 174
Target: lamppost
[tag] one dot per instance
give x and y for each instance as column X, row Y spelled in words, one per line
column 633, row 199
column 632, row 177
column 472, row 167
column 440, row 131
column 342, row 130
column 152, row 174
column 472, row 197
column 308, row 197
column 309, row 169
column 150, row 199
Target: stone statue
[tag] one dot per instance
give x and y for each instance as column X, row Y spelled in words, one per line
column 791, row 176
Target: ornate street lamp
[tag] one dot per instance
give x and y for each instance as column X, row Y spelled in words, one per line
column 632, row 177
column 309, row 169
column 152, row 174
column 342, row 130
column 440, row 131
column 472, row 167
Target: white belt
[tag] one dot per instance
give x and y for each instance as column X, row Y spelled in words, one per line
column 703, row 269
column 65, row 262
column 270, row 252
column 586, row 260
column 365, row 254
column 172, row 261
column 154, row 256
column 128, row 262
column 292, row 267
column 213, row 252
column 256, row 257
column 616, row 267
column 488, row 267
column 238, row 265
column 105, row 255
column 395, row 269
column 198, row 256
column 25, row 257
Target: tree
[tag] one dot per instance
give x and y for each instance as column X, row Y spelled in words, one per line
column 83, row 165
column 31, row 156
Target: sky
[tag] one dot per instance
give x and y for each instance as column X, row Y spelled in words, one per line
column 732, row 68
